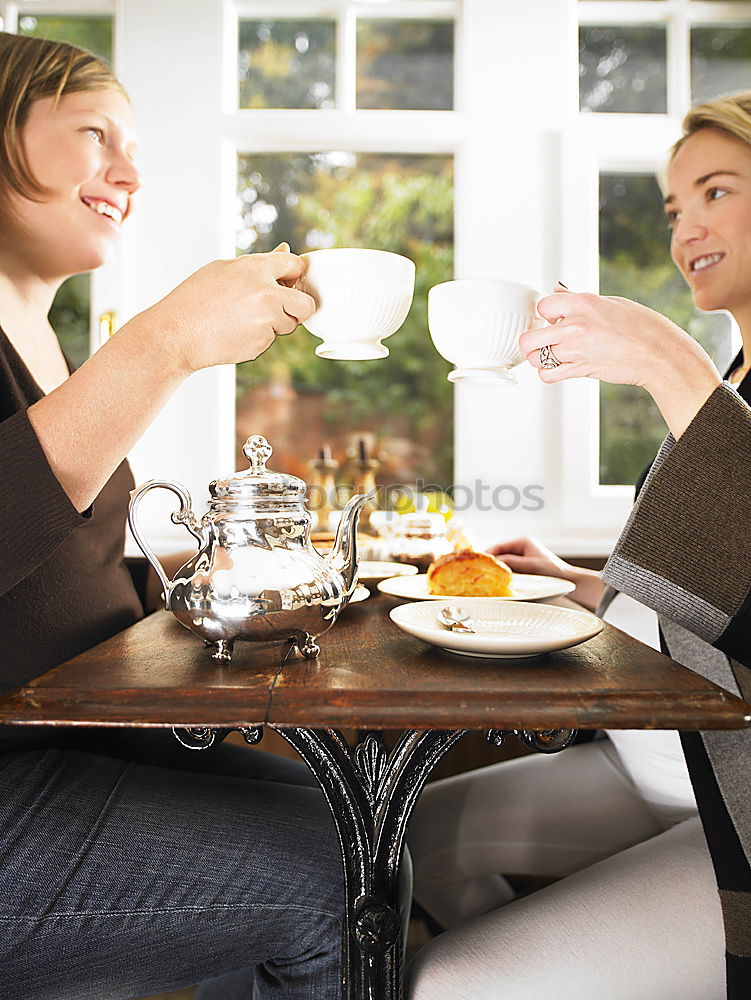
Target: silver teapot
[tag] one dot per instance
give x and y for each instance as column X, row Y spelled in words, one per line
column 256, row 575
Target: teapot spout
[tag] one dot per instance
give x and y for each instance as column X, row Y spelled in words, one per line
column 344, row 553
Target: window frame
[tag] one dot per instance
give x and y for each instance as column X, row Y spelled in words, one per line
column 588, row 152
column 346, row 13
column 13, row 9
column 517, row 216
column 344, row 126
column 629, row 143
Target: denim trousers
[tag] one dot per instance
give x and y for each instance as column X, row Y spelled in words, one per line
column 130, row 865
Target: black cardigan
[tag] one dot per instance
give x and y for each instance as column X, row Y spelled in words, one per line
column 64, row 585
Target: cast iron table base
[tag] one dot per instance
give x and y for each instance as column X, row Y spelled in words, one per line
column 371, row 792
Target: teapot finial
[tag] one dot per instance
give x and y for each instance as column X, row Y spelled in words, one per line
column 258, row 451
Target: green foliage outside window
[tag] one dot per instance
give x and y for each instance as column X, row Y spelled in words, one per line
column 405, row 64
column 287, row 63
column 720, row 60
column 635, row 262
column 623, row 68
column 69, row 317
column 92, row 33
column 398, row 203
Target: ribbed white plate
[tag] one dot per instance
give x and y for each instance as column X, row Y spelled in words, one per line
column 360, row 594
column 501, row 629
column 525, row 587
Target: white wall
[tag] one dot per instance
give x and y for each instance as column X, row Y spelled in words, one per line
column 508, row 226
column 175, row 80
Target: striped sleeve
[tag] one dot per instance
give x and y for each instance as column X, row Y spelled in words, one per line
column 686, row 548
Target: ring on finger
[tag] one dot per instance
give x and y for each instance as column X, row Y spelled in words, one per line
column 547, row 358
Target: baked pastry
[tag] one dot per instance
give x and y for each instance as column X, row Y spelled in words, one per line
column 469, row 574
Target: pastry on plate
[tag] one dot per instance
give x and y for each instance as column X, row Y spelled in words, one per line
column 467, row 573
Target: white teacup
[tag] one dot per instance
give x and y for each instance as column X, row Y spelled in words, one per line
column 475, row 324
column 363, row 297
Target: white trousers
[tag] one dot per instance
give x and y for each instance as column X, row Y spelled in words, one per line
column 627, row 922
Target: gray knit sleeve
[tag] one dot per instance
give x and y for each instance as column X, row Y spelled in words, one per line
column 686, row 548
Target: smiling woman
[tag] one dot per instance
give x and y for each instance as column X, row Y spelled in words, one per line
column 91, row 823
column 71, row 309
column 709, row 211
column 86, row 191
column 689, row 525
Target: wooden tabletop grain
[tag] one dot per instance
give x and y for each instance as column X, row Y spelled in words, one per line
column 369, row 675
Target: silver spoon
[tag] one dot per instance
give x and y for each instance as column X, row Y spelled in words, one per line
column 455, row 619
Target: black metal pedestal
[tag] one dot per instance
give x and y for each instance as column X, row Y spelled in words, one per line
column 371, row 793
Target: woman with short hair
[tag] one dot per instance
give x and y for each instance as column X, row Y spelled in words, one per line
column 128, row 866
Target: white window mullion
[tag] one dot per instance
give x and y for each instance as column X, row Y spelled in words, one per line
column 679, row 63
column 83, row 8
column 346, row 61
column 366, row 131
column 713, row 12
column 625, row 11
column 9, row 16
column 312, row 9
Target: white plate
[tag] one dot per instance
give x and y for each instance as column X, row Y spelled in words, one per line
column 360, row 594
column 525, row 586
column 501, row 629
column 374, row 572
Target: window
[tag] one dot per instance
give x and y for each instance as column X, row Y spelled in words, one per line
column 402, row 203
column 88, row 31
column 623, row 68
column 70, row 317
column 639, row 70
column 287, row 63
column 405, row 64
column 501, row 173
column 635, row 262
column 720, row 59
column 345, row 192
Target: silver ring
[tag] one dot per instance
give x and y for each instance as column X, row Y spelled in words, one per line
column 547, row 358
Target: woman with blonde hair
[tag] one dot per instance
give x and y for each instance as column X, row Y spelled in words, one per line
column 127, row 867
column 636, row 911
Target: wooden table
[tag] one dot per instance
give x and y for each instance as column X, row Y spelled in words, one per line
column 370, row 676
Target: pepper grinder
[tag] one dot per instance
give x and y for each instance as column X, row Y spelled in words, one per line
column 325, row 488
column 365, row 482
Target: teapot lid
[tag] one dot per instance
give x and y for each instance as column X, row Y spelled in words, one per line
column 257, row 483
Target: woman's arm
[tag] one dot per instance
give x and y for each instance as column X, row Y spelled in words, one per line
column 527, row 555
column 227, row 312
column 37, row 514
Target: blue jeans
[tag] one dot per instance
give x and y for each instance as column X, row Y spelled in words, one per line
column 121, row 877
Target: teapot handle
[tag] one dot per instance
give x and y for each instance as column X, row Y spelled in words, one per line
column 184, row 516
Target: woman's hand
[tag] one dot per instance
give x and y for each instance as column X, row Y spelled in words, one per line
column 527, row 555
column 617, row 340
column 230, row 311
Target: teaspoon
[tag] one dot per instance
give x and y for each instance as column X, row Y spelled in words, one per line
column 455, row 619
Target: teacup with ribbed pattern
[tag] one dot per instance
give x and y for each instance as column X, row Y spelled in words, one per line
column 363, row 296
column 475, row 323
